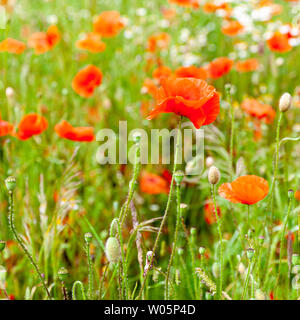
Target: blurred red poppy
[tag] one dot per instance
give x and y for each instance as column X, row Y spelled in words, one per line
column 162, row 72
column 67, row 131
column 188, row 97
column 247, row 65
column 279, row 43
column 42, row 42
column 12, row 46
column 232, row 28
column 247, row 189
column 219, row 67
column 186, row 3
column 209, row 212
column 5, row 128
column 259, row 110
column 153, row 184
column 108, row 24
column 158, row 41
column 86, row 81
column 191, row 72
column 91, row 42
column 30, row 125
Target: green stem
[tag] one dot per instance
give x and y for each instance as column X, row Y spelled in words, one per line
column 90, row 276
column 166, row 210
column 78, row 283
column 174, row 243
column 281, row 244
column 219, row 291
column 247, row 279
column 19, row 240
column 231, row 136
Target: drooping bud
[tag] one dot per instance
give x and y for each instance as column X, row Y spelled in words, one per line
column 285, row 102
column 63, row 274
column 112, row 250
column 214, row 175
column 178, row 176
column 10, row 183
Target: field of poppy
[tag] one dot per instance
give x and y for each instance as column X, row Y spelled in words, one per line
column 75, row 227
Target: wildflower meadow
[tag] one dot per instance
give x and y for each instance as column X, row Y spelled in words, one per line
column 149, row 150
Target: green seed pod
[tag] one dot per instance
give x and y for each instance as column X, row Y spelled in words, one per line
column 112, row 250
column 88, row 237
column 10, row 183
column 295, row 259
column 178, row 176
column 63, row 274
column 2, row 245
column 250, row 253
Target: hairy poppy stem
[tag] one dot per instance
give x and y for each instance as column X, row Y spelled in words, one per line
column 19, row 240
column 228, row 91
column 174, row 243
column 166, row 210
column 219, row 289
column 281, row 244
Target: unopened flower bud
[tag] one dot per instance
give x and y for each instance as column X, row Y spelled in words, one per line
column 88, row 237
column 112, row 250
column 250, row 253
column 214, row 175
column 10, row 183
column 285, row 102
column 63, row 274
column 178, row 176
column 291, row 194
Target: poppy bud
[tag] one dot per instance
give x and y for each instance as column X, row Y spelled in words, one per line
column 291, row 194
column 88, row 237
column 285, row 102
column 201, row 250
column 250, row 253
column 178, row 176
column 63, row 274
column 214, row 175
column 10, row 183
column 2, row 245
column 112, row 250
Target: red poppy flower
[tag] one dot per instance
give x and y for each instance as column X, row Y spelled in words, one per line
column 5, row 128
column 247, row 189
column 162, row 72
column 219, row 67
column 209, row 212
column 232, row 28
column 30, row 125
column 108, row 24
column 12, row 46
column 86, row 81
column 191, row 72
column 186, row 3
column 92, row 42
column 259, row 110
column 44, row 41
column 188, row 97
column 297, row 195
column 247, row 65
column 153, row 184
column 158, row 41
column 279, row 43
column 67, row 131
